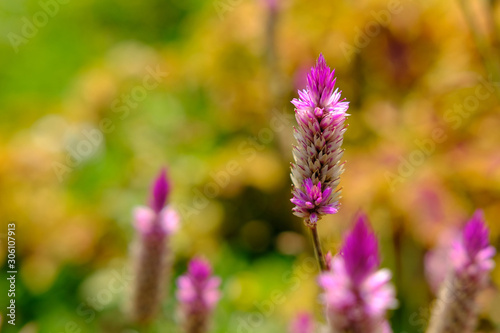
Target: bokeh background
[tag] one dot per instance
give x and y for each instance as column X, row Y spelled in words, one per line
column 422, row 147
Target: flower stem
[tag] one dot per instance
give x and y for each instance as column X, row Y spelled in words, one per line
column 317, row 248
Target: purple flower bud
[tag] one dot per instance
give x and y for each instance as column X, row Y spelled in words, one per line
column 198, row 294
column 161, row 190
column 357, row 294
column 316, row 171
column 360, row 250
column 475, row 235
column 303, row 323
column 471, row 257
column 151, row 252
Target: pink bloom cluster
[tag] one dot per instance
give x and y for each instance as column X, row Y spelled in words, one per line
column 471, row 258
column 472, row 254
column 198, row 294
column 357, row 294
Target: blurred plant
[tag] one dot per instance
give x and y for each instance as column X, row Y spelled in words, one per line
column 316, row 172
column 302, row 323
column 471, row 260
column 198, row 295
column 356, row 293
column 486, row 50
column 154, row 225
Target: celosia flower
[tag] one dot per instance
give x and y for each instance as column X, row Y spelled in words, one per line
column 472, row 255
column 198, row 294
column 316, row 172
column 357, row 294
column 154, row 225
column 471, row 260
column 302, row 323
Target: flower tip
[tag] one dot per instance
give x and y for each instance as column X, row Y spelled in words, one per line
column 161, row 189
column 199, row 269
column 321, row 62
column 362, row 222
column 360, row 249
column 478, row 215
column 362, row 230
column 475, row 234
column 318, row 112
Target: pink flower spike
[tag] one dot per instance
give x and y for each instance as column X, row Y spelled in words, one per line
column 154, row 225
column 198, row 294
column 320, row 116
column 472, row 251
column 357, row 294
column 471, row 257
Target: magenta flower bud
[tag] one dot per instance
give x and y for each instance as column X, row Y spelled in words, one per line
column 161, row 190
column 302, row 323
column 357, row 294
column 316, row 171
column 154, row 225
column 471, row 257
column 198, row 294
column 360, row 250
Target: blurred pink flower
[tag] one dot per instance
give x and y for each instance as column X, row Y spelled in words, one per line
column 472, row 255
column 198, row 294
column 158, row 218
column 356, row 293
column 154, row 225
column 471, row 261
column 302, row 323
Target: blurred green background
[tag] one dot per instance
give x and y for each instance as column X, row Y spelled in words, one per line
column 85, row 126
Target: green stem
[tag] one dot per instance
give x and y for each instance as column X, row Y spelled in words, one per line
column 317, row 248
